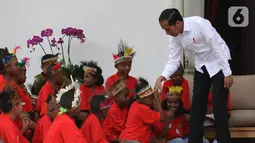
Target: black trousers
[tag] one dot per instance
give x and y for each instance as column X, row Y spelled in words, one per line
column 202, row 85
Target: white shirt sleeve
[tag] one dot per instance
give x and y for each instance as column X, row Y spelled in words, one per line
column 216, row 43
column 174, row 57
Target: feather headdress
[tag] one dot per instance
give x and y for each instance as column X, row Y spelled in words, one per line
column 76, row 102
column 12, row 57
column 14, row 50
column 125, row 53
column 24, row 62
column 174, row 91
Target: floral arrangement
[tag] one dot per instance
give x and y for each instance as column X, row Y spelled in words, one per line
column 69, row 33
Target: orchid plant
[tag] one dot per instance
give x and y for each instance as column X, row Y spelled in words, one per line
column 70, row 33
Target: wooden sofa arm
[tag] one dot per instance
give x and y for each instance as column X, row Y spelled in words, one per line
column 235, row 132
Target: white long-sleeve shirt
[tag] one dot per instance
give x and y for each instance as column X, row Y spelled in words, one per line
column 200, row 38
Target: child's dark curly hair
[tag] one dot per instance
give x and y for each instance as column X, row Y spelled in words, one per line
column 95, row 102
column 67, row 99
column 98, row 74
column 7, row 97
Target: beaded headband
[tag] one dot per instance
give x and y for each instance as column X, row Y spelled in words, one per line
column 87, row 69
column 50, row 61
column 116, row 88
column 145, row 92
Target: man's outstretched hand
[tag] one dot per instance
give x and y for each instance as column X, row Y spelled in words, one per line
column 158, row 84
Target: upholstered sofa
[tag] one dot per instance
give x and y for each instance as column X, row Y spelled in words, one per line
column 242, row 119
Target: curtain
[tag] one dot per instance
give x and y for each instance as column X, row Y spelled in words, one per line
column 239, row 40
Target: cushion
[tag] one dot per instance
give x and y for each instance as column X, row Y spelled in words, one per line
column 242, row 92
column 242, row 118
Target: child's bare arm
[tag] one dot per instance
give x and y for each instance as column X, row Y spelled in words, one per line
column 158, row 105
column 169, row 116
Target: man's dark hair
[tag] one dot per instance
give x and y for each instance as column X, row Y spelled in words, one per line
column 171, row 15
column 47, row 56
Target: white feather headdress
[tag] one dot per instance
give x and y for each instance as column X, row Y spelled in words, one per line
column 74, row 85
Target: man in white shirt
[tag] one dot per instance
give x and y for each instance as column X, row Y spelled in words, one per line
column 196, row 35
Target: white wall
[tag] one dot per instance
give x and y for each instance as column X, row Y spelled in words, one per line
column 104, row 23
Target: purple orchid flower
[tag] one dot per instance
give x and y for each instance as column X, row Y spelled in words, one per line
column 60, row 41
column 37, row 39
column 53, row 42
column 46, row 33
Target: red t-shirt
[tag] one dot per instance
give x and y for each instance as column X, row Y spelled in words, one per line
column 3, row 81
column 177, row 128
column 185, row 94
column 24, row 97
column 115, row 122
column 87, row 94
column 209, row 105
column 9, row 133
column 42, row 127
column 64, row 130
column 92, row 130
column 17, row 122
column 140, row 118
column 130, row 83
column 41, row 105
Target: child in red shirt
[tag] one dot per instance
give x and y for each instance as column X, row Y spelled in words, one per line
column 43, row 125
column 92, row 85
column 116, row 119
column 141, row 117
column 123, row 63
column 91, row 128
column 104, row 109
column 55, row 80
column 175, row 125
column 9, row 71
column 209, row 118
column 11, row 108
column 63, row 128
column 177, row 80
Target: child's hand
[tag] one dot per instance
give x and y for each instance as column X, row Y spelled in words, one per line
column 157, row 95
column 32, row 124
column 25, row 124
column 170, row 113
